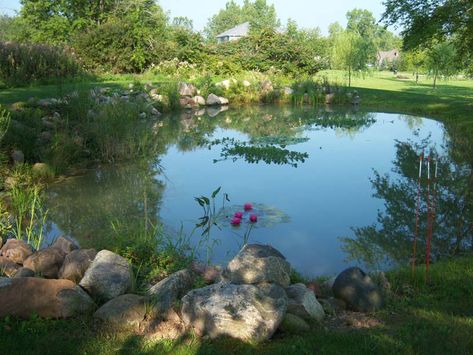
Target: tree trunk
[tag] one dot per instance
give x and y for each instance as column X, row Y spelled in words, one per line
column 435, row 78
column 349, row 76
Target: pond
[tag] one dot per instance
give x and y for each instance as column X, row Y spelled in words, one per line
column 329, row 188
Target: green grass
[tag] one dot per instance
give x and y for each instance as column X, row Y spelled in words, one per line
column 418, row 319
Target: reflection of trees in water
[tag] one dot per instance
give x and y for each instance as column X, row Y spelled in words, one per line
column 85, row 207
column 392, row 238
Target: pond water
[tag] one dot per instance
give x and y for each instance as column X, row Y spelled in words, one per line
column 330, row 189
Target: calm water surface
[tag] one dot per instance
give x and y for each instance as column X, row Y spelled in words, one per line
column 330, row 189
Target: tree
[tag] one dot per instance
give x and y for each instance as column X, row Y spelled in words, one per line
column 351, row 53
column 441, row 61
column 54, row 22
column 258, row 13
column 9, row 28
column 414, row 61
column 183, row 23
column 361, row 22
column 424, row 21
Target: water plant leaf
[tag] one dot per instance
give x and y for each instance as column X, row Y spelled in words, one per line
column 215, row 193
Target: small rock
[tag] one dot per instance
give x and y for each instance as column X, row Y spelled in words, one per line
column 246, row 83
column 293, row 324
column 17, row 156
column 357, row 289
column 66, row 244
column 46, row 262
column 76, row 264
column 24, row 272
column 214, row 100
column 108, row 276
column 199, row 100
column 125, row 311
column 186, row 89
column 257, row 263
column 8, row 267
column 170, row 289
column 302, row 303
column 16, row 250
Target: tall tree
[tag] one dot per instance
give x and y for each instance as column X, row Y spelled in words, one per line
column 423, row 21
column 441, row 61
column 258, row 13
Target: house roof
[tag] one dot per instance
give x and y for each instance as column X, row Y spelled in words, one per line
column 390, row 55
column 240, row 30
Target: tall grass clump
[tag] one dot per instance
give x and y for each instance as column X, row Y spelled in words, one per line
column 28, row 213
column 23, row 64
column 317, row 92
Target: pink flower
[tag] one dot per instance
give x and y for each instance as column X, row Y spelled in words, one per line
column 248, row 207
column 238, row 215
column 253, row 218
column 235, row 221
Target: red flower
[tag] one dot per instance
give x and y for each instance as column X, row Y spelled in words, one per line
column 238, row 215
column 235, row 221
column 253, row 218
column 248, row 206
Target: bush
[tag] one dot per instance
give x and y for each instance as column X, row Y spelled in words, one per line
column 23, row 64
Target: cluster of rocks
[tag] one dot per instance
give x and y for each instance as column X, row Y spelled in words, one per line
column 250, row 299
column 190, row 98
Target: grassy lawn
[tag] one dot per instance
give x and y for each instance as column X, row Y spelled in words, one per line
column 419, row 319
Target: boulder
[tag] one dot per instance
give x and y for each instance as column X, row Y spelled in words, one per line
column 357, row 289
column 326, row 287
column 302, row 303
column 186, row 89
column 199, row 100
column 8, row 267
column 16, row 250
column 108, row 276
column 17, row 156
column 23, row 297
column 245, row 312
column 267, row 86
column 329, row 98
column 76, row 264
column 24, row 272
column 187, row 102
column 257, row 263
column 288, row 91
column 42, row 170
column 66, row 244
column 46, row 262
column 170, row 289
column 293, row 324
column 214, row 100
column 125, row 311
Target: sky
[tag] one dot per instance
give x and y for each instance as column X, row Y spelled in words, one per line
column 307, row 13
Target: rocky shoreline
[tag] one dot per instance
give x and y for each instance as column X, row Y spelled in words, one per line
column 250, row 299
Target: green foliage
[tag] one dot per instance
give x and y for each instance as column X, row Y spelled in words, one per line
column 128, row 41
column 440, row 61
column 23, row 64
column 4, row 122
column 258, row 13
column 9, row 28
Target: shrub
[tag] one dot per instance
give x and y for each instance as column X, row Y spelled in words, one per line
column 22, row 64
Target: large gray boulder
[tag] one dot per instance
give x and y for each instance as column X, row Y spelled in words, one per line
column 302, row 303
column 46, row 262
column 125, row 311
column 357, row 289
column 23, row 297
column 245, row 312
column 108, row 276
column 170, row 289
column 16, row 250
column 214, row 100
column 257, row 263
column 76, row 264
